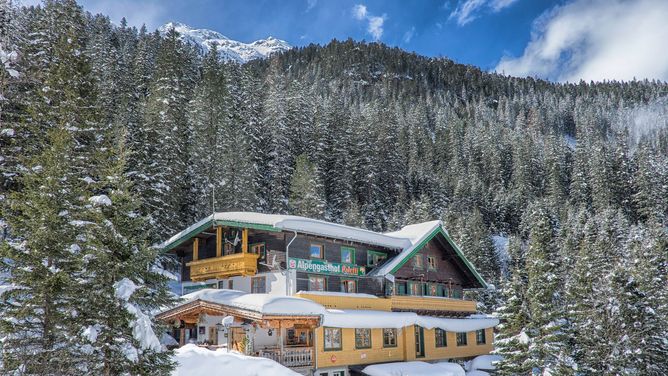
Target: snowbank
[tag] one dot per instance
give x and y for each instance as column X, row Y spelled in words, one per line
column 477, row 373
column 262, row 303
column 351, row 318
column 196, row 361
column 414, row 369
column 483, row 362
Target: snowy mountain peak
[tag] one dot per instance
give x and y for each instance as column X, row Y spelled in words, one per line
column 229, row 49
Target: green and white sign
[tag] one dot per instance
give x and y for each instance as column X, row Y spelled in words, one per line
column 325, row 267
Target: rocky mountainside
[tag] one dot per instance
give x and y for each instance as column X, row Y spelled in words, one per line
column 229, row 49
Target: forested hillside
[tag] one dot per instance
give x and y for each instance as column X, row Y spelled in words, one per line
column 575, row 175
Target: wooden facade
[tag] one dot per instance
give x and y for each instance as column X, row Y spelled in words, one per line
column 429, row 282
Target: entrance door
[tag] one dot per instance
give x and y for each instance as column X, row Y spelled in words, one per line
column 419, row 342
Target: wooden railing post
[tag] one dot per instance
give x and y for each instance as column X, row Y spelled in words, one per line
column 244, row 240
column 196, row 249
column 219, row 241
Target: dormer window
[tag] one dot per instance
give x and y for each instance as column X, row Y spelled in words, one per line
column 374, row 258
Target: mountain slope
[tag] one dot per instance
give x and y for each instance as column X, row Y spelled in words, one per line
column 229, row 49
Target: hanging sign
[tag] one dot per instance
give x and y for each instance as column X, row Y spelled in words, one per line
column 325, row 267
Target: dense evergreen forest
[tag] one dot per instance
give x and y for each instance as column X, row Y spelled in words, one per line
column 574, row 176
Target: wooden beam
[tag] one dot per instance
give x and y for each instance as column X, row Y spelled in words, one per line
column 196, row 249
column 244, row 240
column 219, row 241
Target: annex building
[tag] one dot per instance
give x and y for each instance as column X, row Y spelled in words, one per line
column 323, row 298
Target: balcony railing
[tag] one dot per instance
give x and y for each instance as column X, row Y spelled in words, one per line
column 290, row 357
column 238, row 264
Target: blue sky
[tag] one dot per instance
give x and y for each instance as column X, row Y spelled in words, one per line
column 562, row 40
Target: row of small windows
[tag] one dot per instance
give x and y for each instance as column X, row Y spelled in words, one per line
column 418, row 262
column 333, row 338
column 319, row 283
column 373, row 258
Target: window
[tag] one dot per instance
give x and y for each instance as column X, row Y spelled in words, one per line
column 258, row 249
column 347, row 255
column 317, row 251
column 316, row 283
column 431, row 262
column 258, row 285
column 401, row 288
column 362, row 338
column 418, row 262
column 374, row 258
column 415, row 288
column 480, row 337
column 389, row 337
column 441, row 338
column 432, row 289
column 230, row 284
column 332, row 339
column 455, row 293
column 461, row 339
column 349, row 285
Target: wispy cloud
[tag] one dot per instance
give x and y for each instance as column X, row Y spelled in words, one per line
column 375, row 23
column 596, row 40
column 408, row 35
column 310, row 4
column 469, row 10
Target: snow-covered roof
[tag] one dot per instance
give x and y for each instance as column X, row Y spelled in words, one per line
column 409, row 239
column 415, row 234
column 280, row 222
column 352, row 318
column 261, row 303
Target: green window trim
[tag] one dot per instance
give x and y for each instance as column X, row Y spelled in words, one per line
column 409, row 287
column 480, row 339
column 462, row 339
column 370, row 335
column 352, row 252
column 440, row 332
column 370, row 254
column 324, row 343
column 250, row 247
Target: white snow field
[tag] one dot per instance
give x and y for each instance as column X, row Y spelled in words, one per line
column 415, row 368
column 196, row 361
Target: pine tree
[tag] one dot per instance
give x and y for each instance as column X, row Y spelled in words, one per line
column 118, row 332
column 306, row 191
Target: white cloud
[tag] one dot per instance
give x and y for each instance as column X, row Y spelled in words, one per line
column 469, row 10
column 310, row 4
column 596, row 40
column 375, row 23
column 135, row 12
column 359, row 11
column 408, row 35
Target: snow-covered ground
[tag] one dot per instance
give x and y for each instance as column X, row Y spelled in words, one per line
column 196, row 361
column 414, row 368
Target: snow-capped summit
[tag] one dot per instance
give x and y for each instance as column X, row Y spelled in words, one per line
column 229, row 49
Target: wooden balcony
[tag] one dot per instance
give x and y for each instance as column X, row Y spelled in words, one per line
column 290, row 357
column 431, row 303
column 238, row 264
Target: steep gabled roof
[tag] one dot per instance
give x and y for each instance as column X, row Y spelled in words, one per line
column 410, row 239
column 419, row 235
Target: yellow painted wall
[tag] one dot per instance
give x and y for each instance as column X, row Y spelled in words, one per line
column 394, row 302
column 348, row 355
column 405, row 350
column 432, row 303
column 346, row 302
